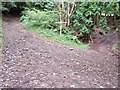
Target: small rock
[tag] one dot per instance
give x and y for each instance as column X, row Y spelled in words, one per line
column 64, row 76
column 114, row 87
column 76, row 73
column 101, row 87
column 42, row 57
column 108, row 83
column 77, row 55
column 95, row 83
column 72, row 59
column 7, row 51
column 36, row 81
column 71, row 49
column 83, row 81
column 54, row 74
column 78, row 76
column 72, row 85
column 77, row 63
column 44, row 85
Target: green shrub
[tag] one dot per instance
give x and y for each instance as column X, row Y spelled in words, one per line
column 44, row 23
column 40, row 18
column 7, row 6
column 83, row 24
column 103, row 24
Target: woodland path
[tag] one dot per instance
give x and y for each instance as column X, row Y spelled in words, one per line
column 30, row 61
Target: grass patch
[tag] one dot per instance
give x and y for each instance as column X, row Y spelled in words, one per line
column 116, row 47
column 55, row 36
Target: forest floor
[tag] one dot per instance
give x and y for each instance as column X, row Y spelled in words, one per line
column 30, row 61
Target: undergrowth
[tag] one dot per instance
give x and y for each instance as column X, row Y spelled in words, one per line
column 50, row 34
column 45, row 24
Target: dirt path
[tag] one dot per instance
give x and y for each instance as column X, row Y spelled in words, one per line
column 33, row 61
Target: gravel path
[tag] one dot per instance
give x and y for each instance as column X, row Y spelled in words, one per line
column 30, row 60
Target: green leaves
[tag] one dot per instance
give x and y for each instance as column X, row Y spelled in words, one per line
column 2, row 8
column 82, row 18
column 103, row 24
column 84, row 29
column 89, row 15
column 86, row 17
column 89, row 22
column 40, row 18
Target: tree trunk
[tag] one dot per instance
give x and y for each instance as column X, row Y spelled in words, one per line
column 94, row 18
column 69, row 12
column 97, row 19
column 60, row 23
column 68, row 23
column 115, row 21
column 61, row 12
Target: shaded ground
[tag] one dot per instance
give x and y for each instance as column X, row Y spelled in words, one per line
column 106, row 42
column 30, row 61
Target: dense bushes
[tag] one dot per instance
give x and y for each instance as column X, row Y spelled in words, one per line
column 7, row 6
column 40, row 18
column 91, row 15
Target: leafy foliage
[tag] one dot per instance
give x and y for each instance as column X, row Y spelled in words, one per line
column 82, row 19
column 103, row 23
column 49, row 5
column 40, row 18
column 86, row 17
column 7, row 6
column 42, row 5
column 90, row 15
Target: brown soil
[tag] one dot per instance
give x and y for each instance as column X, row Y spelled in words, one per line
column 32, row 61
column 105, row 43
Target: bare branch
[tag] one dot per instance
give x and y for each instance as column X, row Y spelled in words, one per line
column 73, row 6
